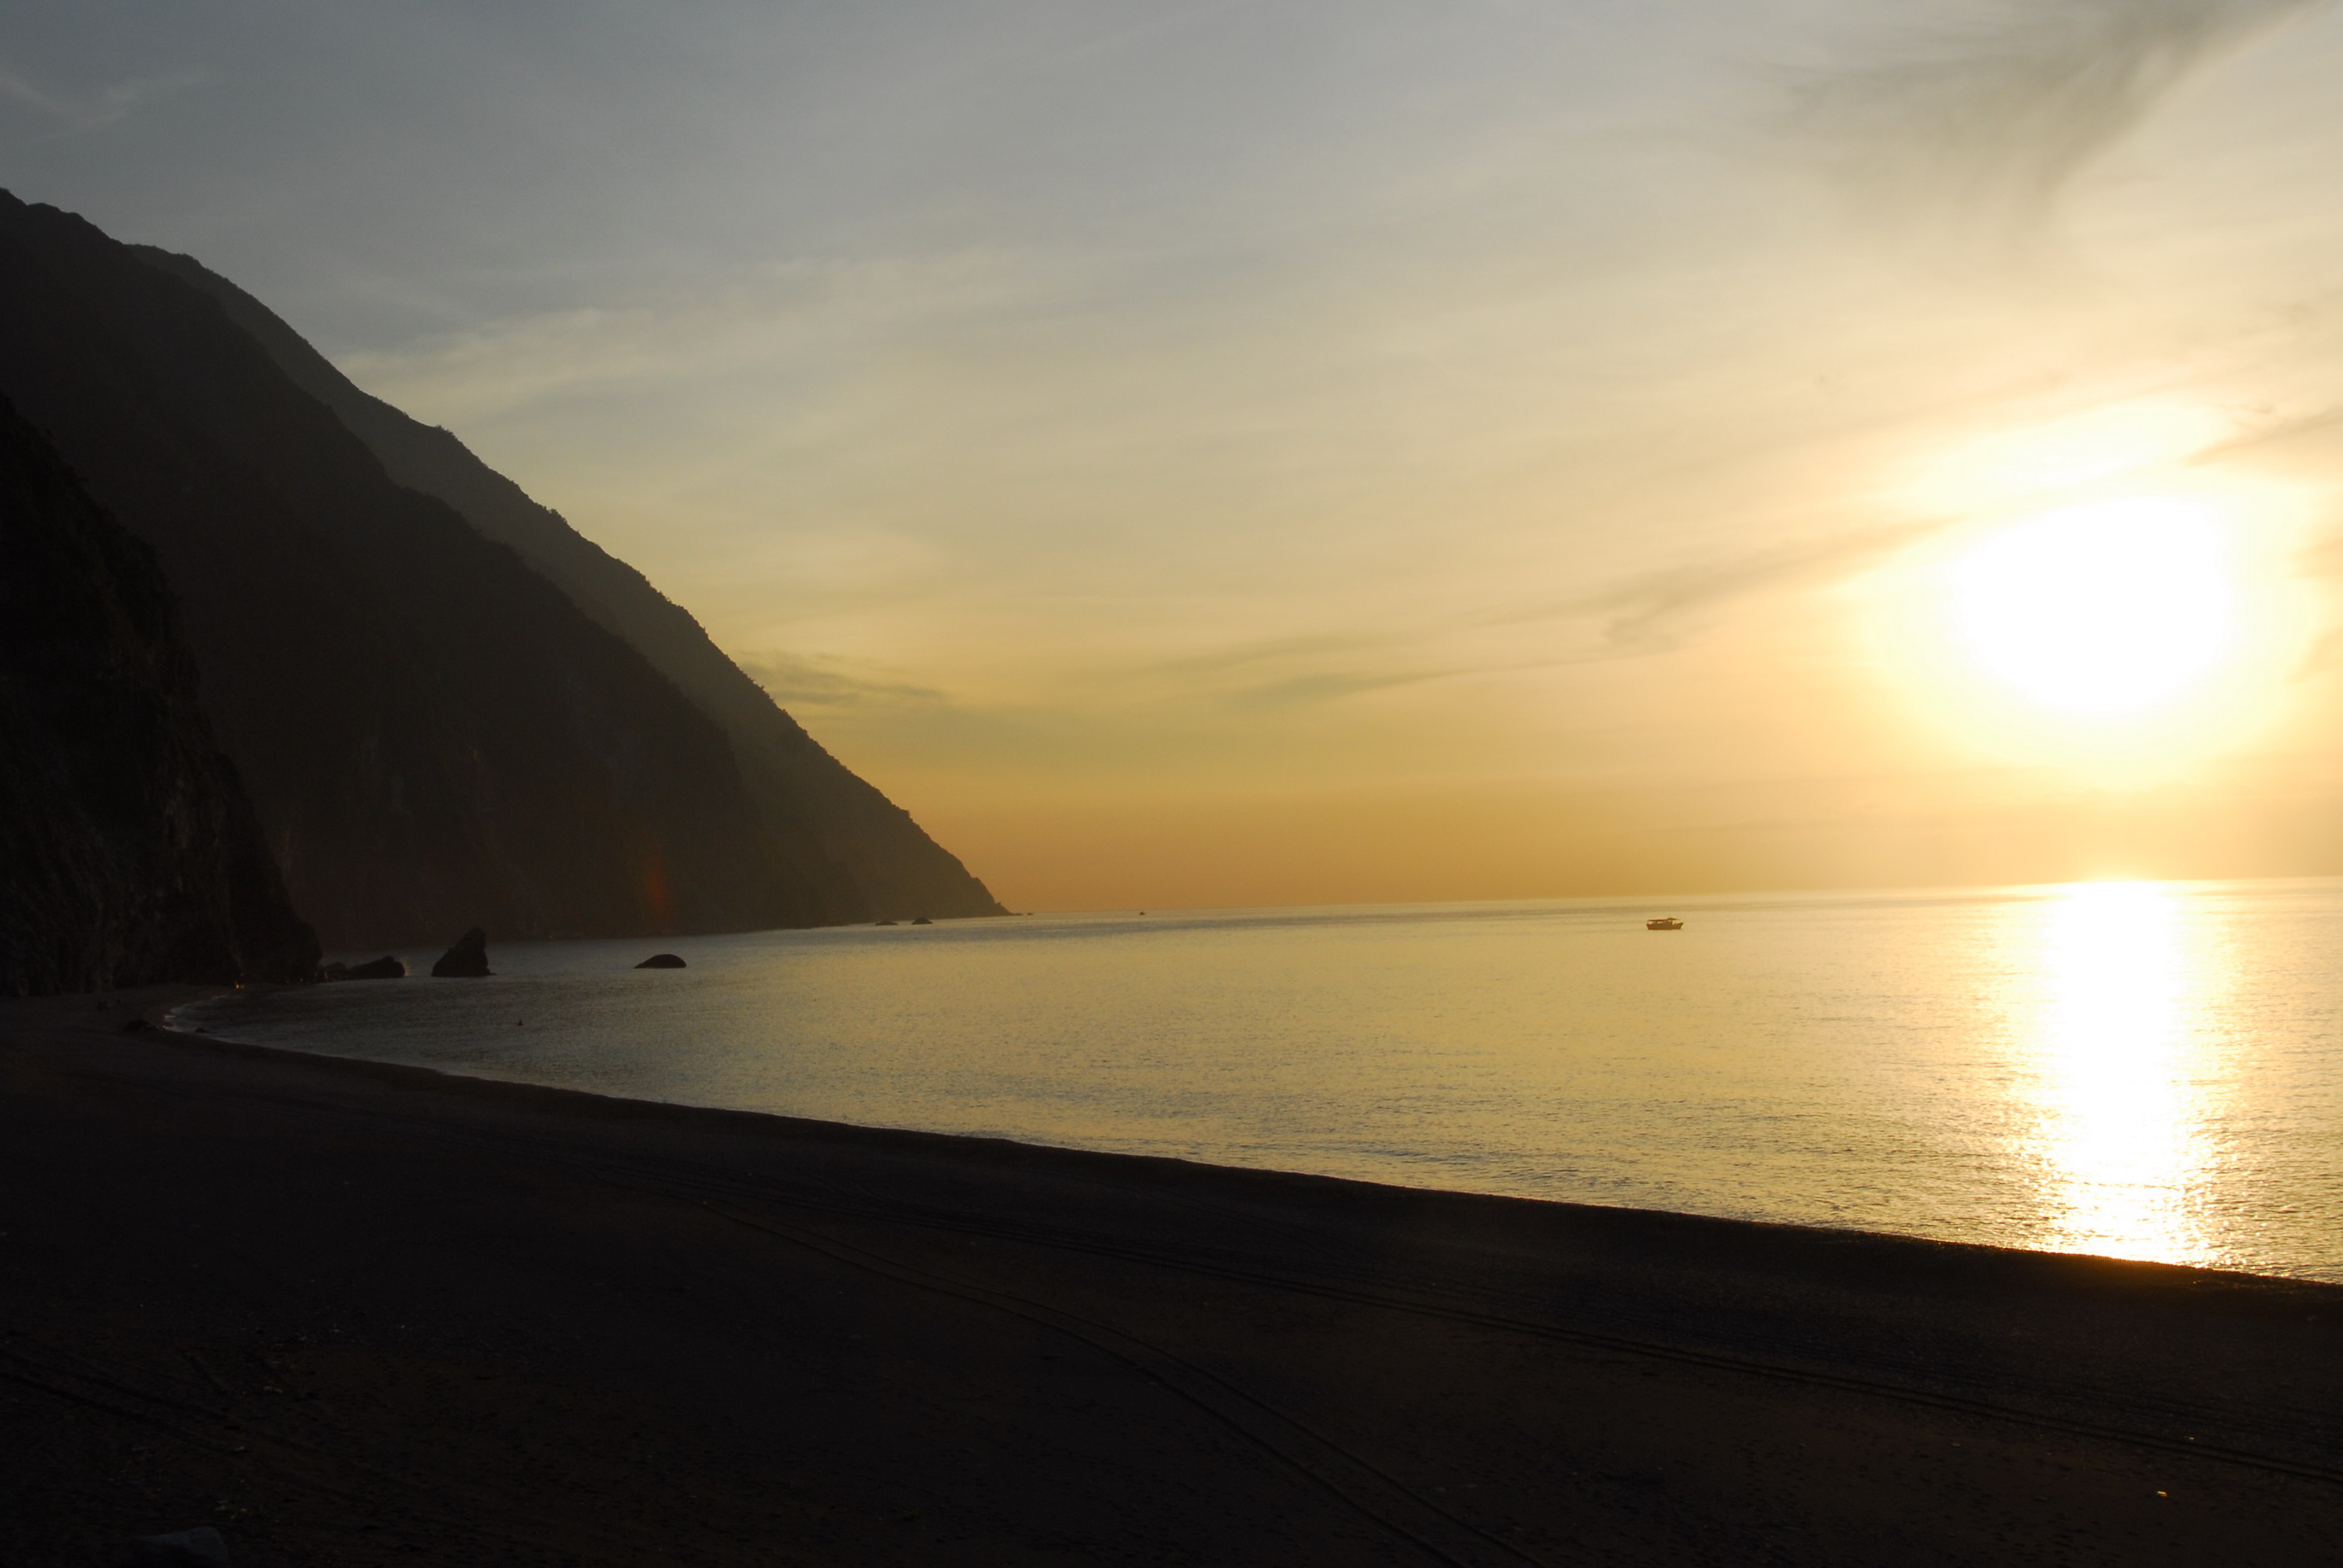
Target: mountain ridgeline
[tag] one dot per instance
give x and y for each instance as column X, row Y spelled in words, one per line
column 128, row 852
column 448, row 709
column 897, row 868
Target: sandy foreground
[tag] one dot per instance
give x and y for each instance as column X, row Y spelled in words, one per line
column 357, row 1316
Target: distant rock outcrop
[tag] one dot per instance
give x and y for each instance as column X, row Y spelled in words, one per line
column 430, row 731
column 128, row 853
column 467, row 959
column 897, row 868
column 661, row 961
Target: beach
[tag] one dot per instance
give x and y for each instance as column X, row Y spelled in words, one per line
column 352, row 1314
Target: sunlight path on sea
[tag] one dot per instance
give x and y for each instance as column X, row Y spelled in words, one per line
column 2126, row 1083
column 2144, row 1070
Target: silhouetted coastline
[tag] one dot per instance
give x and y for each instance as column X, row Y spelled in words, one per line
column 433, row 732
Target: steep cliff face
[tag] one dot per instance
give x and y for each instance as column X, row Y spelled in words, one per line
column 128, row 853
column 900, row 870
column 433, row 735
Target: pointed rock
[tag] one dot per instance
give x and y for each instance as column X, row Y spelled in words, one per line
column 467, row 959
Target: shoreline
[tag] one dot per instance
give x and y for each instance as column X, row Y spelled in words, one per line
column 163, row 1017
column 563, row 1327
column 2321, row 1271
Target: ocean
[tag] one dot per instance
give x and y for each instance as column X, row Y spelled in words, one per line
column 2149, row 1070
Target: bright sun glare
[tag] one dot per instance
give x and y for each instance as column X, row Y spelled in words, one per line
column 2111, row 604
column 2105, row 610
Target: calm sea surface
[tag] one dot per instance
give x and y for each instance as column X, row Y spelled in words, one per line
column 2146, row 1070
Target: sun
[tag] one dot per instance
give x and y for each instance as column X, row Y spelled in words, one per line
column 2126, row 633
column 2105, row 610
column 2102, row 594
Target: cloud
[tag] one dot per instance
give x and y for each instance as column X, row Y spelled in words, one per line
column 808, row 321
column 1985, row 118
column 1293, row 671
column 1328, row 685
column 1644, row 613
column 94, row 111
column 823, row 683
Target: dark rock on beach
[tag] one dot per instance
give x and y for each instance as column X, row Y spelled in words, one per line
column 661, row 961
column 467, row 959
column 129, row 853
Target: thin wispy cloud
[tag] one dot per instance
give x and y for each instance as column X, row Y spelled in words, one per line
column 1985, row 115
column 814, row 683
column 1328, row 685
column 71, row 113
column 1650, row 611
column 772, row 320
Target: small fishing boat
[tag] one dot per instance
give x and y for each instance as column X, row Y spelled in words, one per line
column 1663, row 923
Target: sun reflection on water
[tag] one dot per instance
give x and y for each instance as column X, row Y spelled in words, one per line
column 2121, row 1137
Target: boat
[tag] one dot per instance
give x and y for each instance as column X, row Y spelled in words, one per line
column 1663, row 923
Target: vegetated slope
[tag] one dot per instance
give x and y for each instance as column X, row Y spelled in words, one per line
column 433, row 736
column 900, row 870
column 128, row 853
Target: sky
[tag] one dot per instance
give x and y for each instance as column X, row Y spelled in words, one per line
column 1280, row 453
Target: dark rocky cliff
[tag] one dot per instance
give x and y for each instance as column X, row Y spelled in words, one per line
column 433, row 735
column 900, row 870
column 128, row 853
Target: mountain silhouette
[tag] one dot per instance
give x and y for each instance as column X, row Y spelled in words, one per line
column 898, row 869
column 128, row 852
column 433, row 735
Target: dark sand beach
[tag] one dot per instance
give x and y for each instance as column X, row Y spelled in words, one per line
column 357, row 1316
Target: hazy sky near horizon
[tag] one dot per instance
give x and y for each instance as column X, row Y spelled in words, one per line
column 1233, row 453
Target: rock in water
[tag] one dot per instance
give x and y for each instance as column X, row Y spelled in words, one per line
column 661, row 961
column 467, row 959
column 389, row 968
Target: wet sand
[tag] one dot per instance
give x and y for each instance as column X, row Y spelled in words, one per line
column 357, row 1315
